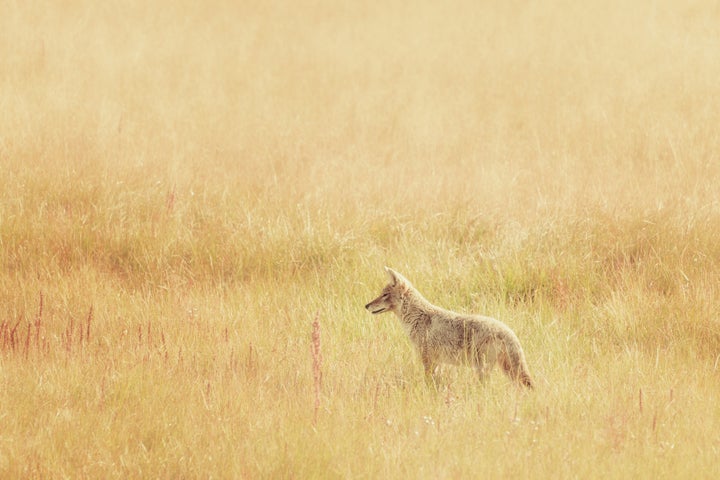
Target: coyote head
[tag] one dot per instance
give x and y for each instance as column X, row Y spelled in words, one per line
column 391, row 297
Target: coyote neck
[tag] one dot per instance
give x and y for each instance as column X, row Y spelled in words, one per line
column 415, row 311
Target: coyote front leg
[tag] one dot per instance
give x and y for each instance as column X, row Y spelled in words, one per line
column 428, row 365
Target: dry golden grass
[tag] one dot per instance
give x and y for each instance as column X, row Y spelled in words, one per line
column 183, row 186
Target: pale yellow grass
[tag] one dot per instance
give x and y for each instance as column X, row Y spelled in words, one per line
column 185, row 185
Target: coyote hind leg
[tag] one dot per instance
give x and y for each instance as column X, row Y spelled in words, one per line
column 484, row 363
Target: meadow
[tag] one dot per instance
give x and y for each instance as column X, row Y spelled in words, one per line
column 186, row 188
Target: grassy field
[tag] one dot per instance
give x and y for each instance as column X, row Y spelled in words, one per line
column 185, row 186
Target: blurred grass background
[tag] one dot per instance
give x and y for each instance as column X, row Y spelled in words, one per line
column 183, row 186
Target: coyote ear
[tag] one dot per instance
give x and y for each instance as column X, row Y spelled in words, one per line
column 394, row 276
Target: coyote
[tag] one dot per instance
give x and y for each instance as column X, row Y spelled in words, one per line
column 443, row 336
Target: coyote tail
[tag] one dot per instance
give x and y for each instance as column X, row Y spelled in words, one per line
column 525, row 379
column 514, row 366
